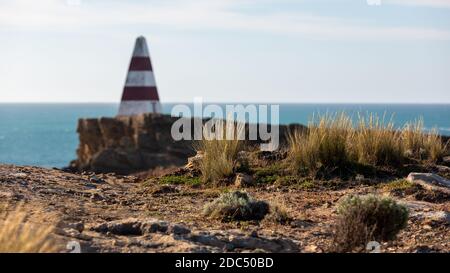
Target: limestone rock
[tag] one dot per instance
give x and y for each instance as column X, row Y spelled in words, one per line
column 430, row 181
column 194, row 162
column 131, row 226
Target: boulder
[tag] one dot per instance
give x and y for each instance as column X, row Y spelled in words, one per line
column 430, row 181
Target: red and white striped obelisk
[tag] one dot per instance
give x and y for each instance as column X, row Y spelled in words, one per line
column 140, row 94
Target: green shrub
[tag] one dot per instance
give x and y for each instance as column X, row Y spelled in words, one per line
column 237, row 206
column 366, row 218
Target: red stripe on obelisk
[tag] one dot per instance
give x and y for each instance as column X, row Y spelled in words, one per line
column 140, row 93
column 140, row 64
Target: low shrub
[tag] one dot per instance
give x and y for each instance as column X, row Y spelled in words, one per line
column 366, row 218
column 236, row 206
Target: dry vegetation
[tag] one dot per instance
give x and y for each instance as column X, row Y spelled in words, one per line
column 367, row 218
column 236, row 205
column 332, row 141
column 220, row 151
column 19, row 235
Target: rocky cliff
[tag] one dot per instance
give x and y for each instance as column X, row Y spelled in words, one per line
column 128, row 144
column 135, row 143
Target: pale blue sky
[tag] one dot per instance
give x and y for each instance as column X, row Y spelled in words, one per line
column 228, row 50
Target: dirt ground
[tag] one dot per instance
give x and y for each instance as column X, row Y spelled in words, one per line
column 111, row 213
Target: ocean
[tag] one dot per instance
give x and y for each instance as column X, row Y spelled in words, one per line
column 45, row 134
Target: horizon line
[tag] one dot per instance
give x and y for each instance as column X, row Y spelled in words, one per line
column 227, row 102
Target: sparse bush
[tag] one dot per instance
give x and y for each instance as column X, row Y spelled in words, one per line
column 18, row 235
column 365, row 218
column 220, row 154
column 236, row 206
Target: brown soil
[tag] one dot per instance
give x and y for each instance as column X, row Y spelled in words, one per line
column 83, row 202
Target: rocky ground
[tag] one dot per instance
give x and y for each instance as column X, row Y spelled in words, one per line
column 112, row 213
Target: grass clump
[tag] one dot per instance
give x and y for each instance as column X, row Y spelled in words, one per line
column 236, row 206
column 18, row 235
column 220, row 150
column 423, row 146
column 180, row 180
column 324, row 144
column 376, row 142
column 367, row 218
column 333, row 142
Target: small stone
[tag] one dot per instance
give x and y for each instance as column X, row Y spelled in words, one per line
column 19, row 175
column 96, row 197
column 179, row 229
column 243, row 180
column 301, row 223
column 95, row 179
column 79, row 226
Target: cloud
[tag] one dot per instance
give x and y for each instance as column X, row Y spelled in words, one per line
column 420, row 3
column 199, row 14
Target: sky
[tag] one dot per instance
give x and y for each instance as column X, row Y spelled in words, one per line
column 298, row 51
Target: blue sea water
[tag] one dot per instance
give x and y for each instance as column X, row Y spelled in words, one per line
column 45, row 134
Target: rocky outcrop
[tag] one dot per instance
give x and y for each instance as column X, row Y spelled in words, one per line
column 128, row 144
column 131, row 144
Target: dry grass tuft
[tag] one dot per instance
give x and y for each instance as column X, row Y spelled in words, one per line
column 324, row 144
column 332, row 142
column 19, row 235
column 423, row 146
column 220, row 152
column 376, row 142
column 279, row 213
